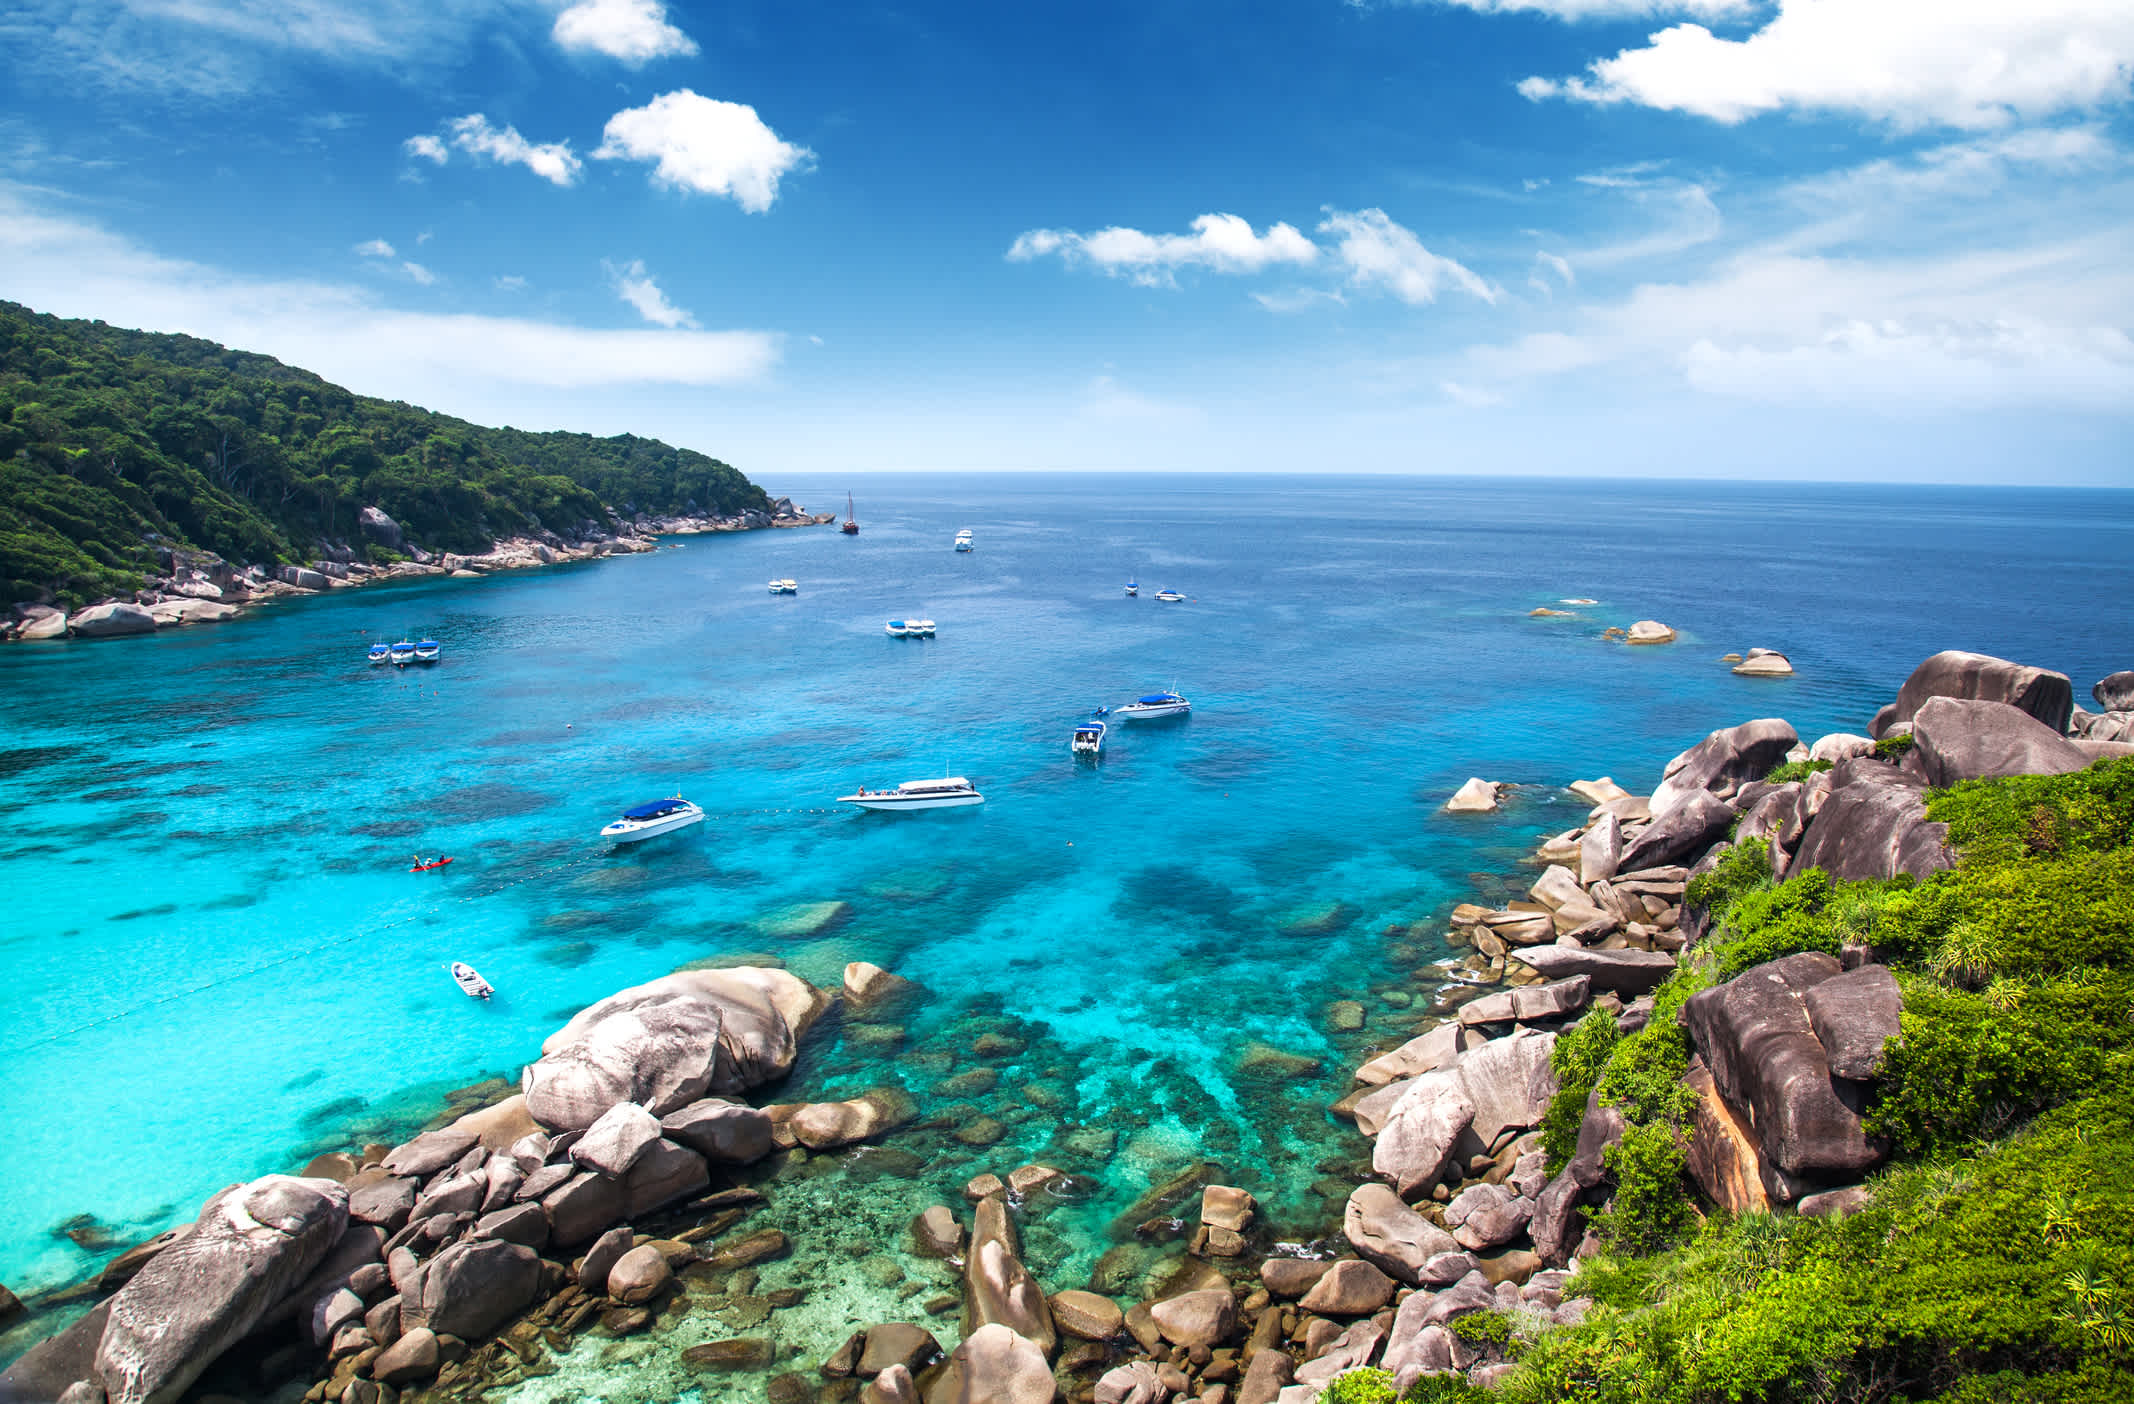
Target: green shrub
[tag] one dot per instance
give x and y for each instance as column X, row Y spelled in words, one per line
column 1361, row 1386
column 1892, row 748
column 1741, row 869
column 1484, row 1328
column 1577, row 1059
column 1788, row 771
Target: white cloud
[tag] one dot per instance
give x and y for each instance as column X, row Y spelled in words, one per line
column 1686, row 216
column 704, row 145
column 1928, row 365
column 1575, row 10
column 1222, row 243
column 417, row 272
column 510, row 282
column 1963, row 169
column 428, row 147
column 633, row 31
column 1470, row 396
column 1910, row 63
column 73, row 268
column 1558, row 265
column 375, row 248
column 1379, row 253
column 638, row 288
column 473, row 134
column 1299, row 299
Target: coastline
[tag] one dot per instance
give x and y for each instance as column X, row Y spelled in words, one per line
column 1558, row 952
column 203, row 588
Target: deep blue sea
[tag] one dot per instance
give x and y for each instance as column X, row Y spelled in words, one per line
column 213, row 959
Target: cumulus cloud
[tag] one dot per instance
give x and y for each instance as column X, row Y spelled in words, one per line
column 638, row 288
column 704, row 145
column 474, row 134
column 1221, row 243
column 1379, row 253
column 74, row 268
column 428, row 147
column 375, row 248
column 1909, row 63
column 632, row 31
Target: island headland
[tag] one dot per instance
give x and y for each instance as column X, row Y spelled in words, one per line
column 152, row 481
column 1801, row 1075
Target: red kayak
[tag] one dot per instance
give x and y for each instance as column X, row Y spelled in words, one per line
column 425, row 867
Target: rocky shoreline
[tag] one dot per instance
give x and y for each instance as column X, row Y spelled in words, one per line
column 199, row 587
column 619, row 1191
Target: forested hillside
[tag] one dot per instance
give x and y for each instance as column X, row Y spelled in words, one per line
column 111, row 440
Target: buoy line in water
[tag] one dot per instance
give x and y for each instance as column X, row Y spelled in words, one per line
column 305, row 952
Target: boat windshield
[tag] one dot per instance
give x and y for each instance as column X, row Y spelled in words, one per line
column 1158, row 698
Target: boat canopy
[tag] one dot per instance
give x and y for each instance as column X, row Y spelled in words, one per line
column 656, row 809
column 1090, row 729
column 947, row 782
column 427, row 643
column 1155, row 697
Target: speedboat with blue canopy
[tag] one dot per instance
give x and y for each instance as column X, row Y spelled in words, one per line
column 1169, row 596
column 1133, row 587
column 1088, row 739
column 1154, row 705
column 403, row 653
column 380, row 653
column 651, row 820
column 427, row 651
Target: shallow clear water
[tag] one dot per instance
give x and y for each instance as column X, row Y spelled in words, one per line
column 213, row 959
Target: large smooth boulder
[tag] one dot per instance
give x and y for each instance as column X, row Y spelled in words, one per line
column 1349, row 1288
column 1350, row 1349
column 1627, row 973
column 1854, row 1014
column 1979, row 677
column 2114, row 693
column 1477, row 796
column 583, row 1206
column 1873, row 827
column 670, row 1042
column 471, row 1288
column 1420, row 1132
column 1756, row 1036
column 1721, row 762
column 379, row 528
column 250, row 1248
column 46, row 624
column 430, row 1152
column 1485, row 1216
column 1423, row 1053
column 1649, row 631
column 111, row 621
column 1558, row 1221
column 1201, row 1318
column 1697, row 820
column 994, row 1366
column 1135, row 1382
column 1600, row 850
column 616, row 1139
column 664, row 1173
column 1509, row 1081
column 723, row 1132
column 1956, row 740
column 1387, row 1233
column 1841, row 745
column 1724, row 1158
column 640, row 1275
column 831, row 1125
column 997, row 1288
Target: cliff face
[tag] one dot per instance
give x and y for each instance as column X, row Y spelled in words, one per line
column 120, row 451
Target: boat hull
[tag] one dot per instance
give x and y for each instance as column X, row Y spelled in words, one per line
column 629, row 831
column 1169, row 709
column 890, row 804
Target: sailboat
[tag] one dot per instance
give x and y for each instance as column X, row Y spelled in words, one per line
column 851, row 526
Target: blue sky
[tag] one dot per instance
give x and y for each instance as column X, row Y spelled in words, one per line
column 1817, row 239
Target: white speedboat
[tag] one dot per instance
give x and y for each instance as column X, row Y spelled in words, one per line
column 652, row 820
column 1156, row 704
column 897, row 629
column 1133, row 587
column 403, row 653
column 380, row 653
column 949, row 792
column 1169, row 596
column 470, row 980
column 1088, row 739
column 909, row 628
column 785, row 587
column 963, row 539
column 427, row 651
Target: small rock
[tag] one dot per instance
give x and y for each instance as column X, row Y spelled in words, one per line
column 639, row 1275
column 1649, row 631
column 1477, row 796
column 411, row 1358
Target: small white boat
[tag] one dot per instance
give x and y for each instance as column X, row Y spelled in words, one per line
column 1155, row 704
column 470, row 980
column 963, row 539
column 1088, row 739
column 380, row 653
column 403, row 653
column 651, row 820
column 949, row 792
column 1169, row 596
column 427, row 651
column 909, row 628
column 1133, row 587
column 785, row 587
column 897, row 629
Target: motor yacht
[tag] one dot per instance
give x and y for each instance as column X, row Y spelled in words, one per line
column 427, row 651
column 949, row 792
column 1169, row 596
column 652, row 820
column 403, row 653
column 380, row 653
column 1154, row 705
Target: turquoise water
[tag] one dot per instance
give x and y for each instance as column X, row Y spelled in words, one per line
column 213, row 960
